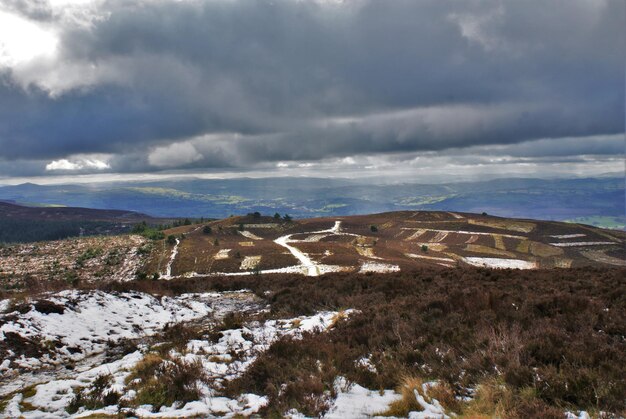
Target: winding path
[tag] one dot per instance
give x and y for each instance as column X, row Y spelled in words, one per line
column 307, row 263
column 168, row 268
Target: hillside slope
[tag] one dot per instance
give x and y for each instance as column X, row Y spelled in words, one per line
column 382, row 243
column 393, row 318
column 379, row 243
column 21, row 223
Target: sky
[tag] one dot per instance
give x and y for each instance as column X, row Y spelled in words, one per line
column 419, row 90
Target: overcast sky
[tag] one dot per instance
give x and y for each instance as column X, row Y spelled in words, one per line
column 419, row 89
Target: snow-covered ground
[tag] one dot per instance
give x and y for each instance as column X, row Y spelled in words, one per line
column 250, row 235
column 250, row 262
column 87, row 323
column 568, row 236
column 576, row 244
column 439, row 259
column 354, row 401
column 448, row 262
column 222, row 254
column 226, row 359
column 168, row 268
column 480, row 233
column 500, row 263
column 378, row 267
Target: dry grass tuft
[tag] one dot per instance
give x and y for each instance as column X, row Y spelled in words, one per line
column 493, row 398
column 408, row 403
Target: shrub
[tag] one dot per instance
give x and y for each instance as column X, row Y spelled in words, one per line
column 139, row 228
column 163, row 381
column 207, row 230
column 90, row 253
column 96, row 396
column 424, row 248
column 153, row 234
column 171, row 239
column 71, row 277
column 373, row 228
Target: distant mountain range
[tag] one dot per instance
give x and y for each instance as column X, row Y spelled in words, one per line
column 20, row 223
column 598, row 201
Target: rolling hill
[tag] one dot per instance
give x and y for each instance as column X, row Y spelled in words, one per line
column 21, row 223
column 547, row 199
column 395, row 313
column 256, row 244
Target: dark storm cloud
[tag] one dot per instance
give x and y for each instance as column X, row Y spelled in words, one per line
column 228, row 83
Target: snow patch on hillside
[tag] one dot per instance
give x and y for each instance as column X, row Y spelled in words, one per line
column 224, row 360
column 378, row 267
column 168, row 268
column 500, row 263
column 576, row 244
column 90, row 321
column 250, row 235
column 354, row 401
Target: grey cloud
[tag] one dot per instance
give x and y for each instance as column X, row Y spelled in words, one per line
column 294, row 80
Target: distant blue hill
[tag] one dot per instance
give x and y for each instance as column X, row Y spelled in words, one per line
column 560, row 199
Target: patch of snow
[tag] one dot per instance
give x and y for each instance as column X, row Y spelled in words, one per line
column 568, row 236
column 12, row 409
column 222, row 254
column 366, row 364
column 439, row 237
column 55, row 395
column 415, row 235
column 500, row 263
column 246, row 405
column 314, row 238
column 252, row 339
column 250, row 262
column 92, row 319
column 250, row 235
column 168, row 268
column 378, row 267
column 354, row 401
column 130, row 264
column 4, row 305
column 480, row 233
column 581, row 415
column 247, row 342
column 413, row 255
column 573, row 244
column 266, row 225
column 432, row 410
